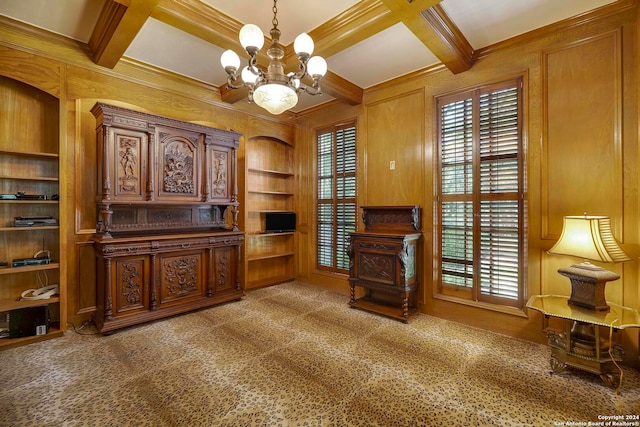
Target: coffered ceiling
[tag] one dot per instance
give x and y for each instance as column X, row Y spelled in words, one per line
column 365, row 42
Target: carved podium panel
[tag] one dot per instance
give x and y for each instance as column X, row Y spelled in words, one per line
column 165, row 243
column 383, row 261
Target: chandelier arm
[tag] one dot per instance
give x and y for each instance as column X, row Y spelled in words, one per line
column 302, row 68
column 311, row 90
column 231, row 81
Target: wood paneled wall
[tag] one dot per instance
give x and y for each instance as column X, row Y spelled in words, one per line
column 581, row 134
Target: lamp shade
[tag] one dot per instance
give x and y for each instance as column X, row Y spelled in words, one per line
column 303, row 44
column 589, row 237
column 230, row 59
column 251, row 36
column 248, row 77
column 317, row 66
column 275, row 98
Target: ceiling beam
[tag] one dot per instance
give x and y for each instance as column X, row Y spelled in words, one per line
column 200, row 20
column 429, row 22
column 118, row 24
column 444, row 39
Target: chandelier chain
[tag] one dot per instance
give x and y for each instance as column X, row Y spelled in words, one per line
column 275, row 14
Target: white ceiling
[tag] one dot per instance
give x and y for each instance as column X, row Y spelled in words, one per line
column 482, row 22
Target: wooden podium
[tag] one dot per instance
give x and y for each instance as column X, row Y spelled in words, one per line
column 383, row 261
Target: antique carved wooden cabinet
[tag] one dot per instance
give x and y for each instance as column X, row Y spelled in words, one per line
column 383, row 261
column 167, row 238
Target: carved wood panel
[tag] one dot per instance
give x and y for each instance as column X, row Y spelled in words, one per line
column 181, row 276
column 225, row 265
column 179, row 171
column 220, row 172
column 128, row 178
column 130, row 287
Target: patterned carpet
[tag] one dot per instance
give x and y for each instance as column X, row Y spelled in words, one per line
column 296, row 355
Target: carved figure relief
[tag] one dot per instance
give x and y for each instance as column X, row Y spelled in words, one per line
column 181, row 276
column 129, row 176
column 130, row 283
column 178, row 168
column 219, row 174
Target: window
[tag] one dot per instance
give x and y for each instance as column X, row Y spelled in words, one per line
column 481, row 195
column 336, row 190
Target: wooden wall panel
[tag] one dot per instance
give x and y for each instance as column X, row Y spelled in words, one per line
column 582, row 146
column 395, row 133
column 582, row 164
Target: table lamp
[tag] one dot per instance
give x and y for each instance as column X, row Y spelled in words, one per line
column 590, row 238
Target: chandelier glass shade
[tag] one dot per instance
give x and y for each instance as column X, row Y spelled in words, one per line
column 272, row 89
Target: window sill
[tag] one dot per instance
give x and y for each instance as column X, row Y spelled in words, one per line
column 513, row 311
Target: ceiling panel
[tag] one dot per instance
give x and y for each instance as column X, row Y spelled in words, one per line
column 71, row 18
column 388, row 54
column 487, row 22
column 167, row 47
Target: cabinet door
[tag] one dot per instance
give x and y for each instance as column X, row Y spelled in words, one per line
column 225, row 268
column 376, row 261
column 180, row 163
column 221, row 179
column 128, row 154
column 130, row 285
column 182, row 276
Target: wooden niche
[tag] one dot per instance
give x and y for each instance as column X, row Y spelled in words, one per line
column 167, row 237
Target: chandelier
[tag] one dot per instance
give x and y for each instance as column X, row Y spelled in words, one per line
column 273, row 90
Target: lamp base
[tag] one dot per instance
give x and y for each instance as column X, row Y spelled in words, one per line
column 587, row 285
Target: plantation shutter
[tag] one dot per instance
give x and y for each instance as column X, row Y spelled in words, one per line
column 480, row 200
column 336, row 214
column 457, row 191
column 500, row 225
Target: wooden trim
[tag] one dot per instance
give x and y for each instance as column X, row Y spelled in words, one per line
column 446, row 41
column 116, row 28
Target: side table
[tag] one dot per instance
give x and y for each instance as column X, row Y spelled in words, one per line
column 580, row 345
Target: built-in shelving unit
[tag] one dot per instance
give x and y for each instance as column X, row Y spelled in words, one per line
column 269, row 257
column 30, row 173
column 29, row 161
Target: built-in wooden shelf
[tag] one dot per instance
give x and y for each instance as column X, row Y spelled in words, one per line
column 7, row 343
column 46, row 227
column 28, row 268
column 270, row 185
column 268, row 281
column 270, row 256
column 29, row 154
column 275, row 193
column 263, row 234
column 31, row 202
column 271, row 171
column 30, row 178
column 7, row 305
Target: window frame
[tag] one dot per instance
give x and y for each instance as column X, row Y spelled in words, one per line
column 334, row 202
column 473, row 295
